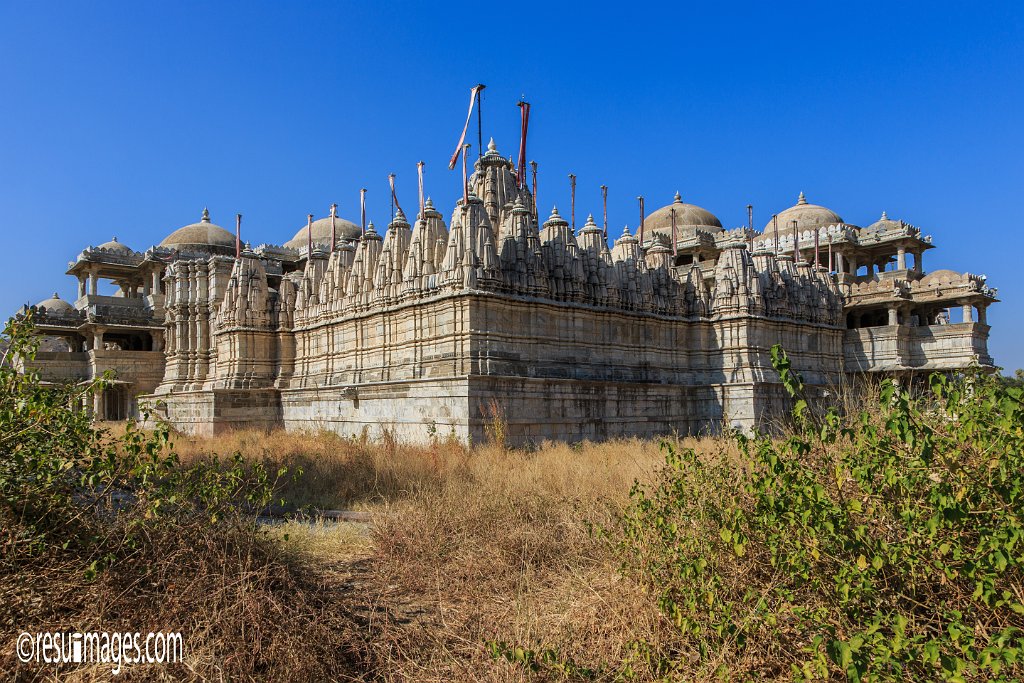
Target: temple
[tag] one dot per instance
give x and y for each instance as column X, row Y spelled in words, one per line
column 503, row 313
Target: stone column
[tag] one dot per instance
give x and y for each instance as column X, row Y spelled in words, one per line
column 93, row 283
column 840, row 263
column 982, row 315
column 98, row 412
column 97, row 339
column 901, row 258
column 893, row 316
column 918, row 268
column 968, row 313
column 81, row 286
column 156, row 282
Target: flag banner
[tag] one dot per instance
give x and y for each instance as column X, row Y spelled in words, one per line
column 394, row 197
column 521, row 168
column 473, row 94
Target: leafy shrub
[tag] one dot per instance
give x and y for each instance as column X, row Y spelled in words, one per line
column 876, row 547
column 62, row 478
column 104, row 531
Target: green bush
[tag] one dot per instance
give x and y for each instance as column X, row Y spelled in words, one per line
column 64, row 481
column 874, row 547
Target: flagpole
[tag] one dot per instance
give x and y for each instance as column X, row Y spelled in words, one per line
column 604, row 198
column 334, row 226
column 362, row 211
column 572, row 208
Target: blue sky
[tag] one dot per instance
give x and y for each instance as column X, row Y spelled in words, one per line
column 127, row 119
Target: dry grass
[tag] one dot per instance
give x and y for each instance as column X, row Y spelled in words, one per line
column 469, row 546
column 248, row 608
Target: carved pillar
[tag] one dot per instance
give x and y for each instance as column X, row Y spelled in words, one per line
column 968, row 313
column 97, row 339
column 982, row 315
column 901, row 258
column 840, row 263
column 93, row 282
column 918, row 268
column 156, row 281
column 81, row 285
column 893, row 316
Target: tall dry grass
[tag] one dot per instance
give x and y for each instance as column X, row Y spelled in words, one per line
column 472, row 545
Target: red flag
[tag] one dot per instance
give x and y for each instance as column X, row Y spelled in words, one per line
column 521, row 168
column 473, row 94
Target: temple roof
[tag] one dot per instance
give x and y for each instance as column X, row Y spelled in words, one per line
column 807, row 217
column 689, row 218
column 56, row 306
column 346, row 230
column 200, row 235
column 114, row 245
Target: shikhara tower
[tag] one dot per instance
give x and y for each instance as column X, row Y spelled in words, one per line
column 430, row 327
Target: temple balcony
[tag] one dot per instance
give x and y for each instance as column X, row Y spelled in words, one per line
column 893, row 348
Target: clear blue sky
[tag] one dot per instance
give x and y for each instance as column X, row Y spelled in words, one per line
column 127, row 119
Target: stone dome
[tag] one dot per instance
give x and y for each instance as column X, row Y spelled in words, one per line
column 114, row 245
column 807, row 217
column 689, row 218
column 346, row 230
column 884, row 223
column 201, row 236
column 56, row 306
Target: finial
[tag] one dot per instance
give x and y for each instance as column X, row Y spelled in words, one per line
column 429, row 203
column 884, row 216
column 678, row 199
column 113, row 239
column 491, row 147
column 56, row 295
column 802, row 199
column 370, row 228
column 399, row 214
column 206, row 215
column 625, row 231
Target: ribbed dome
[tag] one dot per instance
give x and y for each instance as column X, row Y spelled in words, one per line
column 807, row 217
column 56, row 306
column 689, row 217
column 114, row 245
column 346, row 230
column 201, row 236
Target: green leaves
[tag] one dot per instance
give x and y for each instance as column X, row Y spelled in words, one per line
column 66, row 483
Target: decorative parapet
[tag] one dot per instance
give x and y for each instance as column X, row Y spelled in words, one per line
column 935, row 287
